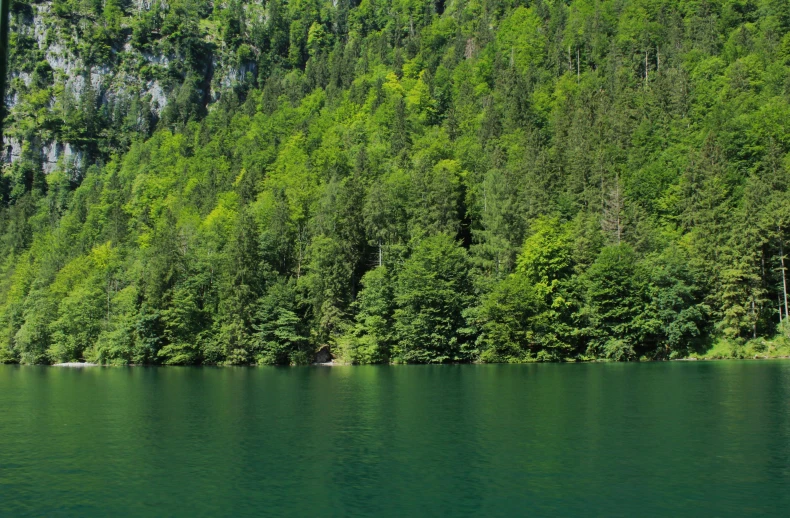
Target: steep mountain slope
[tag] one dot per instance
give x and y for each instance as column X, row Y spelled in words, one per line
column 87, row 77
column 412, row 181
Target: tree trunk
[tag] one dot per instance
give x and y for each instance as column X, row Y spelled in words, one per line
column 658, row 61
column 570, row 63
column 108, row 300
column 784, row 276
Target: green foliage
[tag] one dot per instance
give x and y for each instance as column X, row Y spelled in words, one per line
column 615, row 300
column 248, row 183
column 521, row 39
column 676, row 317
column 279, row 337
column 527, row 315
column 547, row 254
column 509, row 321
column 432, row 290
column 370, row 338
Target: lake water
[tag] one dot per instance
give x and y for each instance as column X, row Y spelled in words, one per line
column 653, row 439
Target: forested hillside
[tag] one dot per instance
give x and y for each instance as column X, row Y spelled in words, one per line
column 401, row 180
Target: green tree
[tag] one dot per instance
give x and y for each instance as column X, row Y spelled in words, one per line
column 370, row 338
column 280, row 336
column 615, row 303
column 432, row 291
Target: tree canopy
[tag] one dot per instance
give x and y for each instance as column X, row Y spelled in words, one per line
column 403, row 181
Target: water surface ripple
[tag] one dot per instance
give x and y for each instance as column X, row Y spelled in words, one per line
column 655, row 439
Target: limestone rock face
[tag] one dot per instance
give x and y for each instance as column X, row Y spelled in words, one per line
column 121, row 84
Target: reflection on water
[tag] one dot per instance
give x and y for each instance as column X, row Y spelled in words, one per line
column 671, row 439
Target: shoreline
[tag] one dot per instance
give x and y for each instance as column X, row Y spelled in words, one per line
column 81, row 365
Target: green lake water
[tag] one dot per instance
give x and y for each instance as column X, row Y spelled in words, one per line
column 654, row 439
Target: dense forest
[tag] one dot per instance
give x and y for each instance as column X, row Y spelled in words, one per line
column 247, row 182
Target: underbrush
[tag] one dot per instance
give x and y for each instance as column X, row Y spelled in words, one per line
column 777, row 346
